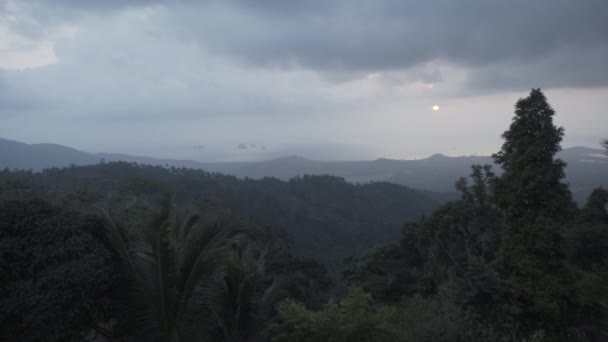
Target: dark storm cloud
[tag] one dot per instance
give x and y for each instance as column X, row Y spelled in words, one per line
column 361, row 36
column 95, row 5
column 502, row 44
column 571, row 69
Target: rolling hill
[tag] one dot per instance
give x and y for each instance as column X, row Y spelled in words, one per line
column 587, row 168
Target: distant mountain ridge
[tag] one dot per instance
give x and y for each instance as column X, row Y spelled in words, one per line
column 587, row 167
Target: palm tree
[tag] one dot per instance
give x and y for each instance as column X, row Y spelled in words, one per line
column 175, row 273
column 247, row 299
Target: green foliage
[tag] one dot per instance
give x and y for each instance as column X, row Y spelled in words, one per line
column 327, row 217
column 594, row 210
column 56, row 273
column 531, row 186
column 592, row 288
column 294, row 323
column 193, row 277
column 537, row 205
column 355, row 318
column 13, row 183
column 171, row 272
column 358, row 318
column 384, row 271
column 588, row 253
column 459, row 234
column 138, row 186
column 430, row 319
column 533, row 260
column 303, row 279
column 587, row 245
column 246, row 301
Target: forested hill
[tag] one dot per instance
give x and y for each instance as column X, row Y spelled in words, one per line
column 586, row 167
column 325, row 216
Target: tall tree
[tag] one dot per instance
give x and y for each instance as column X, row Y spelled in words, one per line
column 536, row 204
column 594, row 210
column 531, row 185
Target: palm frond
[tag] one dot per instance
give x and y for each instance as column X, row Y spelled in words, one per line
column 117, row 242
column 151, row 271
column 245, row 287
column 179, row 273
column 142, row 317
column 163, row 271
column 203, row 255
column 183, row 229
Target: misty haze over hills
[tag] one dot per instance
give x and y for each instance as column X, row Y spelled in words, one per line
column 586, row 169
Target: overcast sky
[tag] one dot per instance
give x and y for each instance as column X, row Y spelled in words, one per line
column 249, row 80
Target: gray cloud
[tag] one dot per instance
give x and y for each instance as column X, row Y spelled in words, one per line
column 571, row 69
column 345, row 39
column 356, row 36
column 121, row 67
column 12, row 99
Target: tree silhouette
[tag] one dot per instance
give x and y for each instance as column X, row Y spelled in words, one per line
column 531, row 185
column 174, row 273
column 536, row 204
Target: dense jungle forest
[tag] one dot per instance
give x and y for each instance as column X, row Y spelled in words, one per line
column 130, row 252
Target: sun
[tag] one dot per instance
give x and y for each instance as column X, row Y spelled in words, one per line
column 435, row 107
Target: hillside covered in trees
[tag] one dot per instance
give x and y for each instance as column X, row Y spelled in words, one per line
column 324, row 216
column 126, row 252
